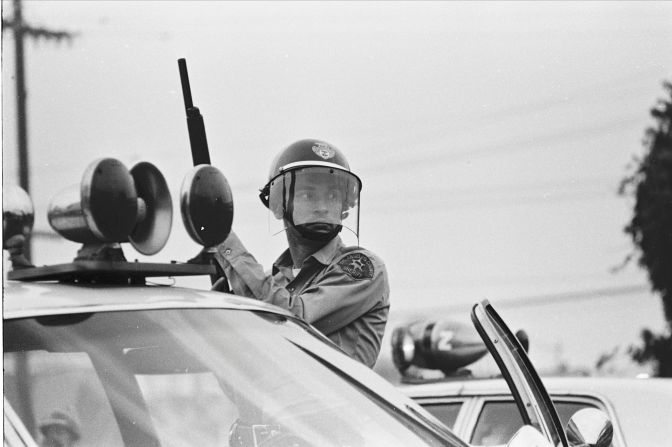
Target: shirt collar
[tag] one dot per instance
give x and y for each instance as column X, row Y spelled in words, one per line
column 327, row 253
column 324, row 255
column 283, row 263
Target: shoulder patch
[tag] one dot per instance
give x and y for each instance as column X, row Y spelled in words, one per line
column 357, row 266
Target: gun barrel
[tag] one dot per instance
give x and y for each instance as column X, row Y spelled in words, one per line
column 199, row 144
column 186, row 89
column 197, row 139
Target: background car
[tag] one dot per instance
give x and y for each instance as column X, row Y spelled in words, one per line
column 483, row 412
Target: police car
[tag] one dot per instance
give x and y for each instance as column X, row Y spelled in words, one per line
column 97, row 353
column 482, row 410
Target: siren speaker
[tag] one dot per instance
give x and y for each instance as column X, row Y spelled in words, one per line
column 155, row 209
column 102, row 208
column 113, row 204
column 206, row 204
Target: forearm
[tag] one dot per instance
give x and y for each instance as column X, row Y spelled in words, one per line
column 248, row 278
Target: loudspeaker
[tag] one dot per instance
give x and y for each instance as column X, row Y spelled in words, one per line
column 101, row 208
column 155, row 219
column 206, row 204
column 112, row 204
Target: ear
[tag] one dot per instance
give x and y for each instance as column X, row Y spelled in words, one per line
column 277, row 212
column 275, row 204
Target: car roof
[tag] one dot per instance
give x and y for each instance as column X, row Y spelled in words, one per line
column 28, row 299
column 555, row 385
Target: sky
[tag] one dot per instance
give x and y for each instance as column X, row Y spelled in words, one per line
column 491, row 137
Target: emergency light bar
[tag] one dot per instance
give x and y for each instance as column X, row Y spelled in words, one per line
column 112, row 205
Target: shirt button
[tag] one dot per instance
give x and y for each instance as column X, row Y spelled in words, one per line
column 227, row 251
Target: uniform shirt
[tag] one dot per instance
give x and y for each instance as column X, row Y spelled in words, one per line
column 342, row 291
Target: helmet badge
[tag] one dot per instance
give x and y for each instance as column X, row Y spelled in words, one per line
column 324, row 151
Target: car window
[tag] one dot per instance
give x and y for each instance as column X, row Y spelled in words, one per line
column 496, row 423
column 192, row 377
column 567, row 409
column 499, row 420
column 445, row 412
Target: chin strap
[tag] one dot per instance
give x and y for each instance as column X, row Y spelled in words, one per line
column 305, row 232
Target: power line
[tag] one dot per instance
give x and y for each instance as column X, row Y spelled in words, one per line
column 595, row 90
column 585, row 94
column 578, row 295
column 536, row 300
column 586, row 184
column 448, row 157
column 432, row 204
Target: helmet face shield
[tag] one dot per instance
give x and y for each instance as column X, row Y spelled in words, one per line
column 315, row 199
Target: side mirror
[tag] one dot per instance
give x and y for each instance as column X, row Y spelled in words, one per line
column 590, row 427
column 528, row 436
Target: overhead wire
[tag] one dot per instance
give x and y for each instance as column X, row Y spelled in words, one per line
column 584, row 93
column 624, row 291
column 444, row 196
column 577, row 295
column 448, row 157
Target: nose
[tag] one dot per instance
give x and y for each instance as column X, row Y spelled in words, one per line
column 321, row 205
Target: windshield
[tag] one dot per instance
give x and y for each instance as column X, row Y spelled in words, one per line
column 186, row 377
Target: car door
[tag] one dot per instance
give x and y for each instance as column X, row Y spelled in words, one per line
column 534, row 403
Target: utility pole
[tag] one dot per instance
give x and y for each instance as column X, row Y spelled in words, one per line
column 20, row 31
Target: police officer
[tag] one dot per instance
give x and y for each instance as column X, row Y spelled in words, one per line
column 343, row 291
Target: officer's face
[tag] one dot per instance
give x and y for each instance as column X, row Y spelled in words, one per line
column 318, row 203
